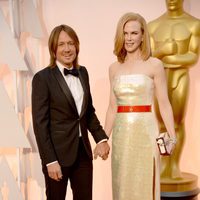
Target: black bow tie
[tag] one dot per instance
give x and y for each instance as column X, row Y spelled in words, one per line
column 73, row 72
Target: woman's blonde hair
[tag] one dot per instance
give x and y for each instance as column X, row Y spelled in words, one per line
column 119, row 49
column 53, row 43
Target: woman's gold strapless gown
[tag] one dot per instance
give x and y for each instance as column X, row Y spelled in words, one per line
column 135, row 157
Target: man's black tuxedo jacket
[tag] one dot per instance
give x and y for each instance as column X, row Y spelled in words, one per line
column 56, row 120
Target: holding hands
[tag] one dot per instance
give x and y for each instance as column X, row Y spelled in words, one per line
column 102, row 150
column 54, row 171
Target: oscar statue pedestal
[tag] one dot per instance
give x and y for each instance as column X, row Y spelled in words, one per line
column 185, row 188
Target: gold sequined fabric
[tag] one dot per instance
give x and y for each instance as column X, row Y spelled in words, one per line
column 135, row 157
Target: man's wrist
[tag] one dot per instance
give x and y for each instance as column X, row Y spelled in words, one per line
column 51, row 163
column 101, row 141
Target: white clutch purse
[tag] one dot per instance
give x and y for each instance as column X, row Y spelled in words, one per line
column 165, row 143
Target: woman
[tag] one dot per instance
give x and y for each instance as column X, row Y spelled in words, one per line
column 134, row 79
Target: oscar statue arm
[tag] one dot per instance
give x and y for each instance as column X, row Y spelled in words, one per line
column 190, row 55
column 167, row 48
column 163, row 48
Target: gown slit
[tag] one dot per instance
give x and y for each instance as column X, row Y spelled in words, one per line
column 154, row 178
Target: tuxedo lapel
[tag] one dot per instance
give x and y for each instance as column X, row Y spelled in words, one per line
column 64, row 87
column 85, row 90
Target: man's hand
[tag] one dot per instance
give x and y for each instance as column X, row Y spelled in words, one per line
column 54, row 171
column 102, row 150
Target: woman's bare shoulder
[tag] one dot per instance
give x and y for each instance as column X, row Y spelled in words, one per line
column 156, row 65
column 155, row 61
column 114, row 67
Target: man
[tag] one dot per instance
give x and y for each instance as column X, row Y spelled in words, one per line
column 62, row 113
column 175, row 37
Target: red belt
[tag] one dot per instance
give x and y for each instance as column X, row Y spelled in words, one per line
column 142, row 108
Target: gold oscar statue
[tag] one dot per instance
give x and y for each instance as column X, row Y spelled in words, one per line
column 175, row 39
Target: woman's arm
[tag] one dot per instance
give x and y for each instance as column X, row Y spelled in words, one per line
column 112, row 107
column 162, row 97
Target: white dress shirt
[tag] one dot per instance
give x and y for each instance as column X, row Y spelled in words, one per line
column 75, row 87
